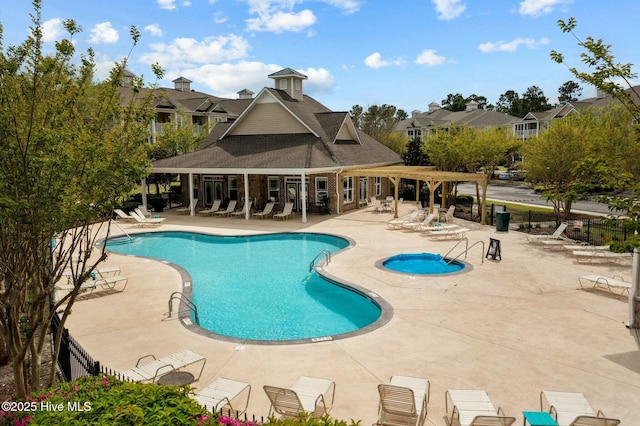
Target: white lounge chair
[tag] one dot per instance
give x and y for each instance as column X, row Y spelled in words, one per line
column 285, row 213
column 606, row 283
column 143, row 221
column 123, row 216
column 245, row 209
column 226, row 212
column 101, row 283
column 583, row 247
column 266, row 212
column 154, row 368
column 187, row 210
column 586, row 256
column 403, row 402
column 417, row 226
column 143, row 210
column 306, row 395
column 413, row 217
column 437, row 227
column 211, row 210
column 557, row 235
column 473, row 408
column 225, row 394
column 448, row 234
column 573, row 409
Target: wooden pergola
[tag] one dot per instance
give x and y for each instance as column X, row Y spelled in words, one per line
column 433, row 178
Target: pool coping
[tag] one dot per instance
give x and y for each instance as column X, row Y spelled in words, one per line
column 468, row 267
column 184, row 311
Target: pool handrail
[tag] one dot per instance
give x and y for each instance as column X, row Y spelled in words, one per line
column 466, row 250
column 192, row 306
column 324, row 252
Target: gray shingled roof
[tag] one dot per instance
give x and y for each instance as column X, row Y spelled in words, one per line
column 286, row 151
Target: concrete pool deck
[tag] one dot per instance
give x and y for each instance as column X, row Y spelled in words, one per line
column 512, row 327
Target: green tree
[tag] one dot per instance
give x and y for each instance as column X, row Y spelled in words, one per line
column 615, row 78
column 68, row 151
column 605, row 71
column 510, row 103
column 533, row 99
column 570, row 91
column 415, row 155
column 377, row 121
column 454, row 102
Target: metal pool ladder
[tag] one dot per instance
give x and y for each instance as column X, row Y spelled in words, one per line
column 192, row 306
column 466, row 250
column 324, row 252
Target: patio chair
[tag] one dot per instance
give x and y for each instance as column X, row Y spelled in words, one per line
column 306, row 395
column 123, row 216
column 245, row 209
column 225, row 394
column 187, row 210
column 226, row 212
column 573, row 409
column 154, row 368
column 604, row 282
column 417, row 225
column 448, row 234
column 447, row 216
column 557, row 235
column 403, row 402
column 586, row 256
column 473, row 408
column 437, row 227
column 266, row 212
column 585, row 247
column 285, row 213
column 211, row 210
column 90, row 285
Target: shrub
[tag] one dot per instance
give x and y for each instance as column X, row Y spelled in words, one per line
column 105, row 401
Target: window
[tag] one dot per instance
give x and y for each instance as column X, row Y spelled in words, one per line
column 377, row 186
column 283, row 84
column 322, row 189
column 298, row 85
column 233, row 187
column 347, row 189
column 274, row 188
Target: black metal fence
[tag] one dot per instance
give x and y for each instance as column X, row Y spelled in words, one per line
column 73, row 361
column 593, row 230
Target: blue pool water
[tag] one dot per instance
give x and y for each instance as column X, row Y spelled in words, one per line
column 422, row 264
column 259, row 287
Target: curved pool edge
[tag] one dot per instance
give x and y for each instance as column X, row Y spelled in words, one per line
column 184, row 312
column 468, row 267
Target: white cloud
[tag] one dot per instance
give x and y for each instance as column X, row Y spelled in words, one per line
column 320, row 80
column 184, row 51
column 219, row 18
column 428, row 57
column 375, row 61
column 512, row 46
column 349, row 6
column 227, row 79
column 154, row 30
column 52, row 30
column 539, row 7
column 449, row 9
column 104, row 33
column 279, row 21
column 167, row 4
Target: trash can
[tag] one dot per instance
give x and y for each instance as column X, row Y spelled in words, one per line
column 502, row 222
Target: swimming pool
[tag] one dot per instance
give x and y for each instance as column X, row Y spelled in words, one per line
column 422, row 264
column 260, row 287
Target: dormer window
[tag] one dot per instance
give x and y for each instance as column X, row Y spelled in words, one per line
column 282, row 84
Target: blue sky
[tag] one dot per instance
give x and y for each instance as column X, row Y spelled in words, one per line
column 406, row 53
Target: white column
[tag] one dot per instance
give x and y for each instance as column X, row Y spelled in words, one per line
column 634, row 294
column 143, row 190
column 193, row 208
column 247, row 196
column 303, row 195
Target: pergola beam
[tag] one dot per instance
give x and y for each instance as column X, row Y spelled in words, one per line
column 429, row 174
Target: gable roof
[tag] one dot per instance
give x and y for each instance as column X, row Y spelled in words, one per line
column 441, row 117
column 329, row 142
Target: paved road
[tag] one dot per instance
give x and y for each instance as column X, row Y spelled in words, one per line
column 510, row 192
